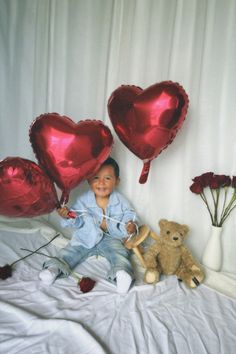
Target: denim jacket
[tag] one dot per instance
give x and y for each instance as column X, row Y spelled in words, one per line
column 86, row 226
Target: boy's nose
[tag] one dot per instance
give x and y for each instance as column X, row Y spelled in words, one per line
column 101, row 181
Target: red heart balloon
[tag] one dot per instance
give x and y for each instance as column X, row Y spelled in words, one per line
column 147, row 121
column 25, row 189
column 70, row 152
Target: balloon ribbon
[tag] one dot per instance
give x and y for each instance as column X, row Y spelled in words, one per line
column 145, row 171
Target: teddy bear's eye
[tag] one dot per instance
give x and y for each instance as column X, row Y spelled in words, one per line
column 181, row 234
column 168, row 232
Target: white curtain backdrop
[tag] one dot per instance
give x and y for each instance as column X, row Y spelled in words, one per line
column 68, row 56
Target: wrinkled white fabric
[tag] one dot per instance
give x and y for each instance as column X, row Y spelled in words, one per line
column 164, row 318
column 23, row 332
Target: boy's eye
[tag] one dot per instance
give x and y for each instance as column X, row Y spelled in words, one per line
column 95, row 178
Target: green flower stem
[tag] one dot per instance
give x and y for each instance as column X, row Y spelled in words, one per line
column 202, row 195
column 75, row 275
column 32, row 252
column 40, row 253
column 224, row 203
column 216, row 205
column 215, row 199
column 232, row 200
column 225, row 217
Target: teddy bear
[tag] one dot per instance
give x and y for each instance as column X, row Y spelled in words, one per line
column 168, row 255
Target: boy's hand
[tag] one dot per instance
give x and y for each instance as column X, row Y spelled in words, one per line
column 131, row 227
column 63, row 212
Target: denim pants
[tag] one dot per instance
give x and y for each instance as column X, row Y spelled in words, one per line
column 109, row 247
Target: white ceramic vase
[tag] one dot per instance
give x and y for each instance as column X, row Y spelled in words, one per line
column 212, row 255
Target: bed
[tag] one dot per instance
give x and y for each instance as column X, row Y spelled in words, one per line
column 162, row 318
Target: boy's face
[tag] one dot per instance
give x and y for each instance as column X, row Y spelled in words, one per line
column 104, row 181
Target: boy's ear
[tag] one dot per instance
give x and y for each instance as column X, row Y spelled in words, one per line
column 117, row 181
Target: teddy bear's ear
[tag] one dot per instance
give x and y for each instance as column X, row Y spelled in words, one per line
column 185, row 229
column 162, row 222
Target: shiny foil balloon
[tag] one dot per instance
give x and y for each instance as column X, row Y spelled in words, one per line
column 147, row 121
column 25, row 189
column 70, row 152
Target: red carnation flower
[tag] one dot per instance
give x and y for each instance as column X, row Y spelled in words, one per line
column 224, row 180
column 86, row 284
column 204, row 179
column 196, row 188
column 233, row 184
column 5, row 272
column 215, row 182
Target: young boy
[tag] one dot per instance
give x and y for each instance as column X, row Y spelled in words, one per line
column 104, row 219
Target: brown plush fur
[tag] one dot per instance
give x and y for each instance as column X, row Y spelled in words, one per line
column 170, row 256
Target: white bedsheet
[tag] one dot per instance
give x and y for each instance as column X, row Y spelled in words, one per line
column 165, row 318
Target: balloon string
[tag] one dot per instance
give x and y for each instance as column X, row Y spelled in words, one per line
column 145, row 171
column 83, row 212
column 64, row 197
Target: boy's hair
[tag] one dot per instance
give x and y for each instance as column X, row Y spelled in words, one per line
column 111, row 162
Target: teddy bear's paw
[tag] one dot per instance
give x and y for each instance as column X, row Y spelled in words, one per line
column 195, row 268
column 196, row 280
column 151, row 276
column 191, row 280
column 194, row 283
column 200, row 277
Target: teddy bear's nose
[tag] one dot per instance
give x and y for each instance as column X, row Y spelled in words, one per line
column 175, row 238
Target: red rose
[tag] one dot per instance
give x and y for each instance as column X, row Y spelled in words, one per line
column 196, row 188
column 5, row 272
column 86, row 284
